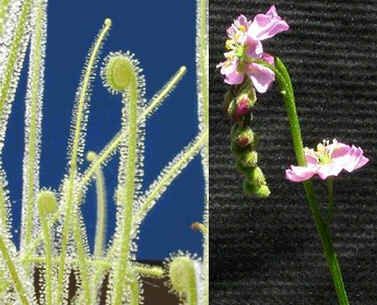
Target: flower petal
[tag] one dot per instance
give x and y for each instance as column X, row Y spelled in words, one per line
column 311, row 157
column 229, row 69
column 260, row 76
column 338, row 150
column 272, row 11
column 242, row 21
column 234, row 78
column 238, row 29
column 254, row 47
column 267, row 25
column 329, row 170
column 355, row 159
column 268, row 58
column 300, row 173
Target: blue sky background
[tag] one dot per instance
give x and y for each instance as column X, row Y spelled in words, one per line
column 162, row 35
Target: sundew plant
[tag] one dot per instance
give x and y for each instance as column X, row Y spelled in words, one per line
column 249, row 70
column 53, row 235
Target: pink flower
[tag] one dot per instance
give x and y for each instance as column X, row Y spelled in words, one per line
column 243, row 107
column 327, row 160
column 238, row 30
column 267, row 25
column 244, row 46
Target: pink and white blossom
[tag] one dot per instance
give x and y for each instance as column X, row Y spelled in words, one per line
column 244, row 46
column 328, row 160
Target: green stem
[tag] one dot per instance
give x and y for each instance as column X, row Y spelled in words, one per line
column 202, row 63
column 99, row 243
column 287, row 91
column 145, row 270
column 101, row 214
column 20, row 289
column 4, row 284
column 149, row 271
column 4, row 7
column 82, row 258
column 70, row 210
column 16, row 50
column 4, row 222
column 33, row 120
column 48, row 257
column 203, row 92
column 330, row 198
column 134, row 290
column 128, row 171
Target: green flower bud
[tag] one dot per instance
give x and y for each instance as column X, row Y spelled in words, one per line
column 249, row 158
column 262, row 192
column 250, row 189
column 243, row 136
column 256, row 177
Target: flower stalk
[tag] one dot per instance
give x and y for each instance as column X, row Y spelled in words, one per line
column 287, row 92
column 330, row 198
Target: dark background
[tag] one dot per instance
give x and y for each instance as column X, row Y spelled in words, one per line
column 267, row 252
column 162, row 41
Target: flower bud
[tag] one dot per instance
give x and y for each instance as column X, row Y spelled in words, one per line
column 256, row 177
column 242, row 135
column 245, row 137
column 262, row 192
column 243, row 106
column 250, row 189
column 249, row 159
column 240, row 107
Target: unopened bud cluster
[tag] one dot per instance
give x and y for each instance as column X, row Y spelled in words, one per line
column 239, row 102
